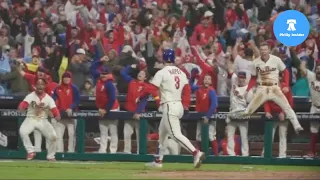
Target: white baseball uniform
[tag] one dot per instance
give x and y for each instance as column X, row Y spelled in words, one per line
column 172, row 147
column 129, row 127
column 283, row 130
column 108, row 127
column 268, row 87
column 314, row 86
column 170, row 80
column 238, row 100
column 60, row 127
column 37, row 118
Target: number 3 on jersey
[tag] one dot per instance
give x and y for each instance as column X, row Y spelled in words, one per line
column 177, row 80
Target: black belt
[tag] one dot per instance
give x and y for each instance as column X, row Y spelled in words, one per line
column 267, row 84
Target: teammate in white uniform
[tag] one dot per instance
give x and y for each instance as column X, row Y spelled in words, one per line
column 171, row 81
column 314, row 85
column 38, row 105
column 239, row 99
column 265, row 71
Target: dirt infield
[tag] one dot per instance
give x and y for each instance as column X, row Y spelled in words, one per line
column 232, row 175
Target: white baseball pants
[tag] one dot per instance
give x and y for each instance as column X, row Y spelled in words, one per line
column 272, row 93
column 172, row 112
column 38, row 141
column 314, row 125
column 231, row 129
column 129, row 127
column 212, row 131
column 172, row 147
column 106, row 127
column 283, row 130
column 46, row 128
column 60, row 127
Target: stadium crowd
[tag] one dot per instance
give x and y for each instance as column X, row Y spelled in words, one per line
column 83, row 39
column 72, row 35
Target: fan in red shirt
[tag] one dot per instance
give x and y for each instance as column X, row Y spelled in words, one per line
column 41, row 73
column 272, row 108
column 206, row 102
column 106, row 100
column 206, row 69
column 134, row 90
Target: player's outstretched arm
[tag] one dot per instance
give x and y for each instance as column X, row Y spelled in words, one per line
column 54, row 110
column 252, row 83
column 125, row 73
column 94, row 69
column 76, row 97
column 213, row 103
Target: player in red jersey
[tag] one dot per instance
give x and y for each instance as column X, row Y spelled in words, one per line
column 134, row 89
column 207, row 103
column 270, row 108
column 106, row 101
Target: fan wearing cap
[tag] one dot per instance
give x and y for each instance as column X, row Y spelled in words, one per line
column 106, row 100
column 40, row 73
column 34, row 64
column 134, row 89
column 206, row 103
column 314, row 85
column 207, row 68
column 272, row 108
column 203, row 31
column 67, row 98
column 238, row 100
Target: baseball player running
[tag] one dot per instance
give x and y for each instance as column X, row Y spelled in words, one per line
column 206, row 103
column 314, row 85
column 106, row 100
column 67, row 97
column 269, row 108
column 134, row 89
column 38, row 105
column 239, row 99
column 171, row 81
column 265, row 72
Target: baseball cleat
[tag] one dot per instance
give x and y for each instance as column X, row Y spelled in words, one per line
column 154, row 164
column 31, row 155
column 298, row 129
column 52, row 159
column 198, row 158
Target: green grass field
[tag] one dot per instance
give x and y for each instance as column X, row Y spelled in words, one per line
column 121, row 170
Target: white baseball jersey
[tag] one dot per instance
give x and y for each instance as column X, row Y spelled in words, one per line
column 268, row 72
column 238, row 100
column 170, row 80
column 39, row 107
column 314, row 86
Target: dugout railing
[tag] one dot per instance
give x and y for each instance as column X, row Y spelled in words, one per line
column 142, row 156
